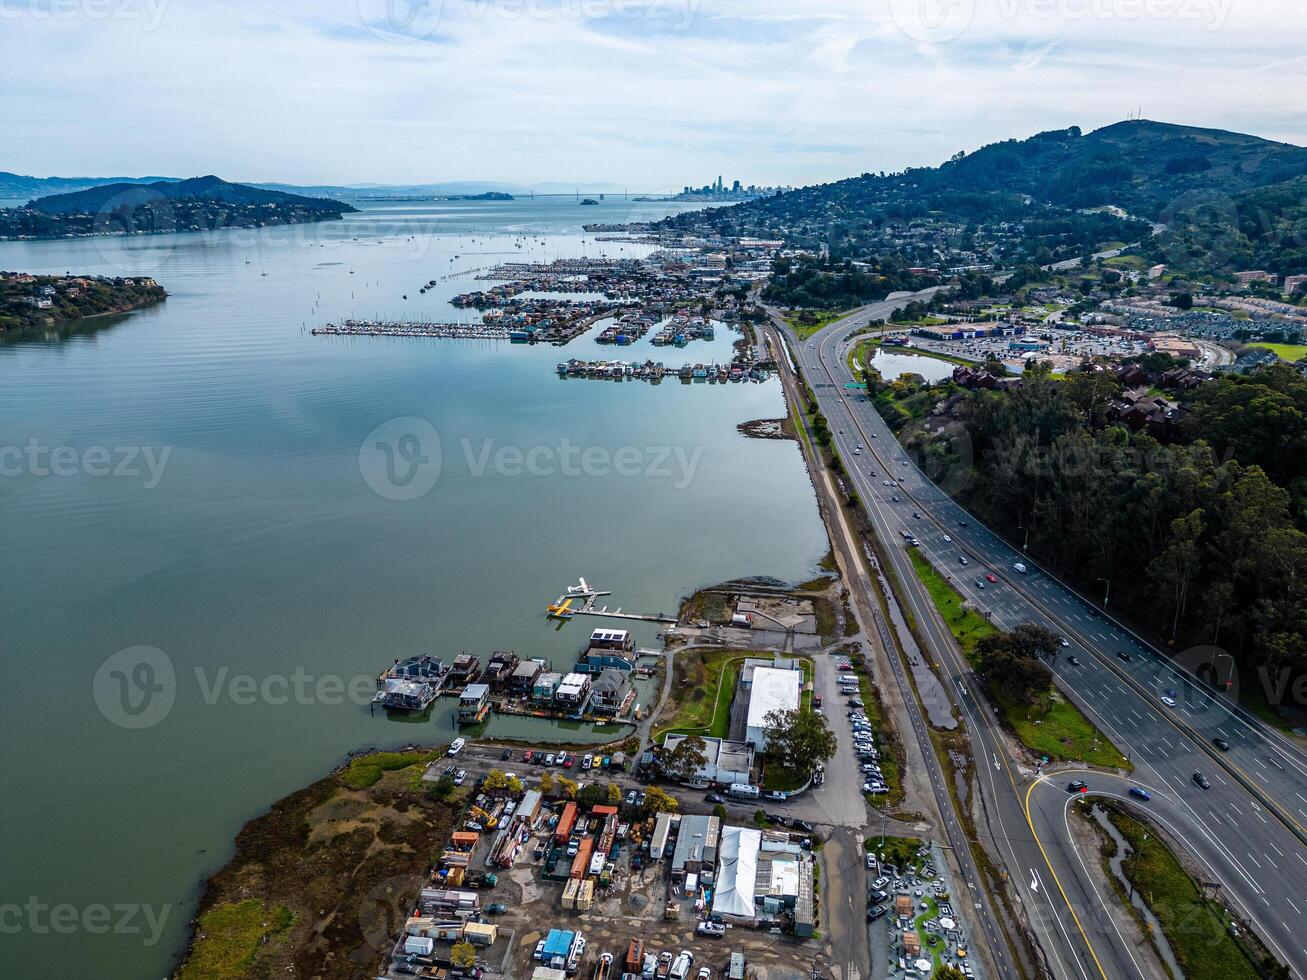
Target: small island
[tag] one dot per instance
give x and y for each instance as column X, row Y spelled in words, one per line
column 30, row 302
column 198, row 204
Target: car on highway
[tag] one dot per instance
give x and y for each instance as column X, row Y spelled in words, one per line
column 1123, row 656
column 1169, row 702
column 1139, row 793
column 885, row 482
column 1221, row 744
column 980, row 583
column 857, row 452
column 947, row 538
column 1077, row 786
column 1201, row 781
column 991, row 578
column 1063, row 642
column 1073, row 660
column 894, row 497
column 963, row 560
column 962, row 523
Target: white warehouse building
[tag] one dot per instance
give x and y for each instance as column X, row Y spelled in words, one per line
column 773, row 689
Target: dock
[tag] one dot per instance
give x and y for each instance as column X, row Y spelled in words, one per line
column 563, row 607
column 399, row 328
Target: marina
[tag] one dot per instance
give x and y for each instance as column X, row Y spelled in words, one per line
column 394, row 328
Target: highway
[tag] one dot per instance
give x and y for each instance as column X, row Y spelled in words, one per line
column 1252, row 818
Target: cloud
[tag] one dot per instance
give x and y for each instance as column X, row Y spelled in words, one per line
column 650, row 93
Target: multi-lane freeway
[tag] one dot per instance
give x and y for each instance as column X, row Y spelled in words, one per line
column 1248, row 828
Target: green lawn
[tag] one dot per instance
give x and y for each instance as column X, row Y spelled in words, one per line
column 966, row 625
column 805, row 323
column 889, row 751
column 229, row 937
column 1060, row 731
column 1057, row 728
column 366, row 770
column 703, row 687
column 1194, row 926
column 899, row 851
column 1286, row 352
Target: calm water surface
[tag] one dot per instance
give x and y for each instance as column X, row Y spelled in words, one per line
column 269, row 569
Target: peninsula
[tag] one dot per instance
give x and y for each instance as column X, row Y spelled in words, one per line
column 198, row 204
column 37, row 302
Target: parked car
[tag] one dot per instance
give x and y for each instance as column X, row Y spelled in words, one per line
column 682, row 965
column 778, row 795
column 875, row 912
column 460, row 777
column 803, row 825
column 714, row 798
column 456, row 746
column 587, row 761
column 528, row 755
column 775, row 819
column 496, row 908
column 708, row 928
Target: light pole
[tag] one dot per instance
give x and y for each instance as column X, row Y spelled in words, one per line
column 1026, row 543
column 1106, row 590
column 1135, row 866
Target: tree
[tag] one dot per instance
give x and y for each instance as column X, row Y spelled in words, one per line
column 463, row 955
column 546, row 784
column 687, row 758
column 443, row 788
column 658, row 801
column 1174, row 569
column 946, row 972
column 566, row 787
column 801, row 738
column 759, row 819
column 614, row 794
column 1010, row 663
column 497, row 781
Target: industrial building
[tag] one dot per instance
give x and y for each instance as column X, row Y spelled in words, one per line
column 725, row 762
column 771, row 690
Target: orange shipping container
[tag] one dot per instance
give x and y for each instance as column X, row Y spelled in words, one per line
column 565, row 824
column 581, row 863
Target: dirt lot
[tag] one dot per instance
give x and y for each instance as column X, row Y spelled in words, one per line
column 633, row 908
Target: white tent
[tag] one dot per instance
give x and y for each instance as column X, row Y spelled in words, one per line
column 737, row 872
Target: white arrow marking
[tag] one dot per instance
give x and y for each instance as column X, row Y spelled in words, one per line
column 996, row 762
column 1034, row 881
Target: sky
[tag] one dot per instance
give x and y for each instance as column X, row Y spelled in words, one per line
column 648, row 94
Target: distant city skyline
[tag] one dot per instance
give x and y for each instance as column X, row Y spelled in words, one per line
column 650, row 92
